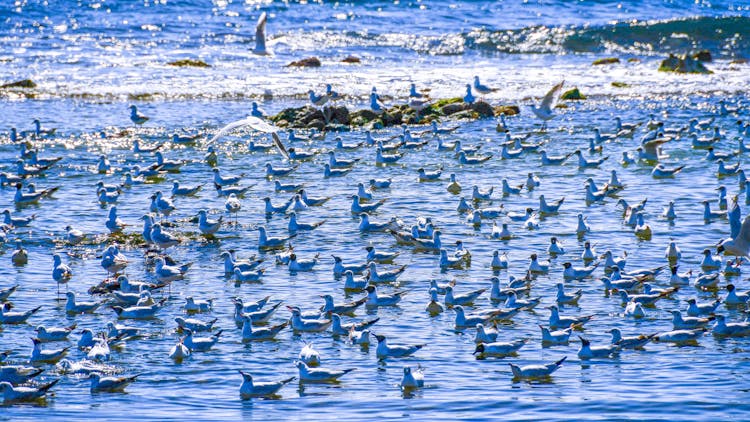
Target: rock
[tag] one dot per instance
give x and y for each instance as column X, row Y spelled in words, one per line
column 189, row 63
column 573, row 94
column 634, row 60
column 682, row 64
column 483, row 109
column 392, row 119
column 508, row 110
column 307, row 62
column 365, row 114
column 620, row 84
column 23, row 83
column 466, row 114
column 738, row 61
column 351, row 59
column 339, row 114
column 454, row 108
column 703, row 56
column 607, row 60
column 316, row 124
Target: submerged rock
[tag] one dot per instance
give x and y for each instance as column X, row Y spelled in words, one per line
column 682, row 64
column 573, row 94
column 351, row 59
column 189, row 63
column 23, row 83
column 607, row 60
column 620, row 84
column 307, row 62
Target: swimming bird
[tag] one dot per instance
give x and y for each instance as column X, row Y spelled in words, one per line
column 499, row 349
column 250, row 389
column 535, row 371
column 467, row 298
column 545, row 109
column 557, row 337
column 734, row 297
column 179, row 352
column 259, row 333
column 138, row 312
column 307, row 325
column 374, row 299
column 688, row 323
column 45, row 334
column 309, row 355
column 77, row 307
column 12, row 317
column 588, row 352
column 38, row 355
column 385, row 350
column 630, row 342
column 558, row 321
column 200, row 344
column 733, row 329
column 701, row 309
column 565, row 298
column 587, row 163
column 101, row 383
column 312, row 375
column 21, row 393
column 679, row 336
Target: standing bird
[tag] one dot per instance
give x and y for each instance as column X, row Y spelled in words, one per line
column 137, row 117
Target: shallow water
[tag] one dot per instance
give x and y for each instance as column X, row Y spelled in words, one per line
column 91, row 94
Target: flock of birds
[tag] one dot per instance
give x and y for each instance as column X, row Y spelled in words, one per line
column 375, row 278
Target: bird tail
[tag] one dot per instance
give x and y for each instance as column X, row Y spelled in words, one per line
column 46, row 387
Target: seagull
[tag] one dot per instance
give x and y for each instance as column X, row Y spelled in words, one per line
column 137, row 117
column 100, row 383
column 536, row 371
column 249, row 389
column 260, row 36
column 544, row 111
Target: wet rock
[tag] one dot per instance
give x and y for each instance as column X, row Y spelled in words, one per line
column 307, row 62
column 738, row 61
column 620, row 84
column 351, row 59
column 393, row 118
column 23, row 83
column 453, row 108
column 682, row 64
column 607, row 60
column 703, row 56
column 483, row 109
column 508, row 110
column 634, row 60
column 189, row 63
column 573, row 94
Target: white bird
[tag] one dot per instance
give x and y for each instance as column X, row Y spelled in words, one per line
column 249, row 388
column 100, row 383
column 20, row 394
column 307, row 374
column 535, row 371
column 385, row 350
column 412, row 379
column 260, row 36
column 545, row 109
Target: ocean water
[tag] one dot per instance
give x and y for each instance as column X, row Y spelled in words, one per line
column 91, row 60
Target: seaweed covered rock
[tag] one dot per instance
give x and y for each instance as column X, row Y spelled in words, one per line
column 351, row 59
column 482, row 109
column 606, row 60
column 573, row 94
column 306, row 62
column 309, row 117
column 683, row 64
column 508, row 110
column 189, row 63
column 23, row 83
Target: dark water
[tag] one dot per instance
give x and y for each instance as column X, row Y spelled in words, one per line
column 92, row 59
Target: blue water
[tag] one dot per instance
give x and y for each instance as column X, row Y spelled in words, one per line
column 91, row 60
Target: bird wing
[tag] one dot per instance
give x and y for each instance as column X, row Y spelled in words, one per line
column 260, row 34
column 252, row 121
column 279, row 145
column 550, row 99
column 745, row 230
